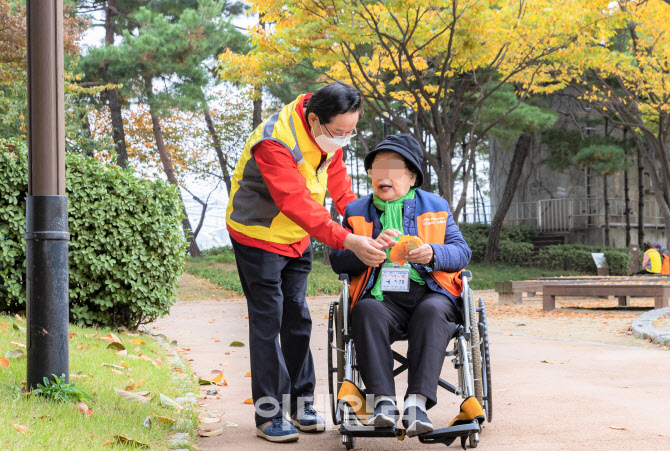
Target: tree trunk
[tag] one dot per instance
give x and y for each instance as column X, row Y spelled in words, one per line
column 640, row 202
column 118, row 133
column 258, row 106
column 193, row 248
column 607, row 211
column 521, row 151
column 626, row 206
column 223, row 159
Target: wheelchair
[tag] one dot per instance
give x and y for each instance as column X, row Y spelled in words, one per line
column 470, row 356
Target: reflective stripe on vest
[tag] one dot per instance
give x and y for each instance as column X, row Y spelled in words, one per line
column 251, row 210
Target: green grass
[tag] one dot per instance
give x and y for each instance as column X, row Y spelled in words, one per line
column 219, row 269
column 322, row 280
column 57, row 425
column 484, row 275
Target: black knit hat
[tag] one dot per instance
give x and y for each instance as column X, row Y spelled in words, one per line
column 405, row 145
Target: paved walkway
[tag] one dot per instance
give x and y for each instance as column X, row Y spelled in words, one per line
column 548, row 394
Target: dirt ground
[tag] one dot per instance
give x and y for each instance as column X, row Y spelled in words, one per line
column 568, row 379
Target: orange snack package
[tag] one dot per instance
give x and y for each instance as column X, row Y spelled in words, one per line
column 405, row 244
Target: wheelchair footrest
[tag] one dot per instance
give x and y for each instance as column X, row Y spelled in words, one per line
column 370, row 431
column 448, row 435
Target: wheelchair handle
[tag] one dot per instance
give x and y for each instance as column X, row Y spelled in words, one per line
column 467, row 274
column 344, row 278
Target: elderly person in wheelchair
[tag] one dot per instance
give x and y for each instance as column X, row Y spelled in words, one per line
column 419, row 300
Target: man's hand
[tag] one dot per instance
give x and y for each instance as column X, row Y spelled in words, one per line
column 421, row 255
column 386, row 238
column 366, row 249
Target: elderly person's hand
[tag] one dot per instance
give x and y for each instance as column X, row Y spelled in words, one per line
column 421, row 255
column 386, row 238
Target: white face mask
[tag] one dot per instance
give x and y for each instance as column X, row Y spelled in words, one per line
column 330, row 145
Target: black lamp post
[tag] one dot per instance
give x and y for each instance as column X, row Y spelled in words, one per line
column 46, row 209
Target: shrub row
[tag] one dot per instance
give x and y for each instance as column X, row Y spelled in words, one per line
column 516, row 248
column 126, row 250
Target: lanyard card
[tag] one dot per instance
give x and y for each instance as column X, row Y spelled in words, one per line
column 394, row 278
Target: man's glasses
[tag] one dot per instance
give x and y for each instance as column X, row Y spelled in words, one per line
column 351, row 134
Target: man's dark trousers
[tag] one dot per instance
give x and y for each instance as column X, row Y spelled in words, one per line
column 275, row 287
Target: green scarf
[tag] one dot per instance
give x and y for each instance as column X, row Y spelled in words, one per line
column 391, row 218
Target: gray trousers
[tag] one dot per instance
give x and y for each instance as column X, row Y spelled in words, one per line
column 428, row 319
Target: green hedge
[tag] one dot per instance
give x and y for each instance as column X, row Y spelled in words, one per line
column 515, row 245
column 577, row 257
column 126, row 247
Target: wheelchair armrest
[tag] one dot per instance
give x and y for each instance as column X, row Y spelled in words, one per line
column 467, row 274
column 344, row 278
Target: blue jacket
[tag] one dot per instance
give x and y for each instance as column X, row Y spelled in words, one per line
column 426, row 216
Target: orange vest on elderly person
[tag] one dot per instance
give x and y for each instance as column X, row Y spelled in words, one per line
column 426, row 216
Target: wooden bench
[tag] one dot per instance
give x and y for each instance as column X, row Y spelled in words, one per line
column 512, row 292
column 623, row 291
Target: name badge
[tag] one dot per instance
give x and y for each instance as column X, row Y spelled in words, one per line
column 395, row 278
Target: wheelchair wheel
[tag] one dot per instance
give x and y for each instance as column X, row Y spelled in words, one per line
column 475, row 350
column 335, row 357
column 486, row 361
column 349, row 441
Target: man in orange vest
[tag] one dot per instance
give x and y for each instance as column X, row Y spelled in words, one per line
column 275, row 207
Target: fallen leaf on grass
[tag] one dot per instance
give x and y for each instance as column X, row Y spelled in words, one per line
column 18, row 427
column 210, row 433
column 106, row 443
column 168, row 402
column 17, row 327
column 16, row 353
column 618, row 428
column 123, row 352
column 139, row 396
column 178, row 370
column 80, row 376
column 116, row 345
column 120, row 373
column 129, row 441
column 144, row 357
column 4, row 363
column 83, row 408
column 19, row 319
column 20, row 345
column 237, row 344
column 83, row 346
column 71, row 334
column 91, row 336
column 248, row 401
column 165, row 420
column 118, row 367
column 137, row 341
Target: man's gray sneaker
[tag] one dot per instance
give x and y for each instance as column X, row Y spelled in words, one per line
column 278, row 430
column 307, row 420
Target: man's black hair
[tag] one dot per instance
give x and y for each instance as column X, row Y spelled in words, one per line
column 333, row 99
